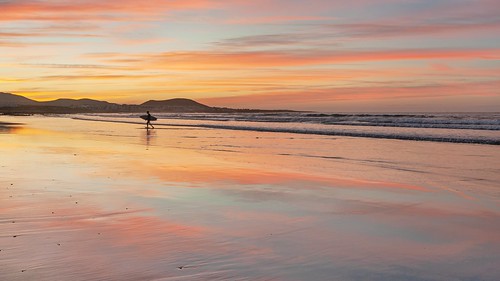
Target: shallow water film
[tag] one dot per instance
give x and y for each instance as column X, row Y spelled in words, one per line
column 89, row 200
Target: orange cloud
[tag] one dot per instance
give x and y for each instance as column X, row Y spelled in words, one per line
column 91, row 9
column 95, row 77
column 200, row 60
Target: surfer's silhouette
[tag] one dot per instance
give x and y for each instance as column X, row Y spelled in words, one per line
column 148, row 123
column 148, row 117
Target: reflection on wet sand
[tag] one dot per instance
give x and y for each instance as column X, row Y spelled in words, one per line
column 9, row 127
column 87, row 201
column 148, row 137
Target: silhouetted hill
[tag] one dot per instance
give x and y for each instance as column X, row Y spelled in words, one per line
column 176, row 105
column 15, row 104
column 7, row 99
column 78, row 103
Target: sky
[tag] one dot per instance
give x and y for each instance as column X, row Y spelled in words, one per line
column 319, row 55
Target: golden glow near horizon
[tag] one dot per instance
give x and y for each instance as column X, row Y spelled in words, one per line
column 327, row 56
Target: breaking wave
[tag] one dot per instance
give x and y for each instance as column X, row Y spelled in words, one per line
column 480, row 128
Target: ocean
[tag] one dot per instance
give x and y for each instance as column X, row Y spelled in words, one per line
column 479, row 128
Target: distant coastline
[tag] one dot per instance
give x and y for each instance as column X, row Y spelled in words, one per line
column 11, row 104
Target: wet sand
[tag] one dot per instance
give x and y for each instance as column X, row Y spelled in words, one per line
column 84, row 200
column 6, row 127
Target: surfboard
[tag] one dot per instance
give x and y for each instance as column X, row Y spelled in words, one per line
column 145, row 117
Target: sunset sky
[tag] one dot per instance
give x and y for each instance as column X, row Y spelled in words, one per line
column 323, row 55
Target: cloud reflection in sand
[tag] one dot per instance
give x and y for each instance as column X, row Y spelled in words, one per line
column 93, row 202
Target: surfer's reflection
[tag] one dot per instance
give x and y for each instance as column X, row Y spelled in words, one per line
column 149, row 137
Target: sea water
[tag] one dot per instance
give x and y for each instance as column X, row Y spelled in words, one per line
column 480, row 128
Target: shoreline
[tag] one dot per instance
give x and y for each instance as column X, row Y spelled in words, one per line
column 489, row 137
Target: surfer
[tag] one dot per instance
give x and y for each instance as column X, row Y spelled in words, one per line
column 149, row 118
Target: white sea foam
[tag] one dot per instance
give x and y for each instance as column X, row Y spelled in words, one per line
column 481, row 128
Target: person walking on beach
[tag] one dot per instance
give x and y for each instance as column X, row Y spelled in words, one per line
column 148, row 123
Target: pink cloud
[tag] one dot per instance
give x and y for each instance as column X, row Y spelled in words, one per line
column 329, row 95
column 275, row 19
column 400, row 29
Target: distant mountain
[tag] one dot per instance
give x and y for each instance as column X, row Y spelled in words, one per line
column 7, row 99
column 176, row 105
column 12, row 102
column 15, row 104
column 78, row 103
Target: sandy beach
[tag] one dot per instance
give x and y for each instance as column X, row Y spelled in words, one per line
column 85, row 200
